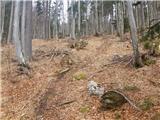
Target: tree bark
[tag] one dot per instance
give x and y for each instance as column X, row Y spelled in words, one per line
column 136, row 54
column 29, row 35
column 1, row 21
column 23, row 44
column 73, row 22
column 16, row 34
column 142, row 18
column 56, row 20
column 96, row 16
column 10, row 33
column 2, row 15
column 120, row 21
column 79, row 18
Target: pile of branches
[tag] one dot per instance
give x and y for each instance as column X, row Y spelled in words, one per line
column 51, row 53
column 121, row 59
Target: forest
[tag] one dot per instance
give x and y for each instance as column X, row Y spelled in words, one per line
column 80, row 60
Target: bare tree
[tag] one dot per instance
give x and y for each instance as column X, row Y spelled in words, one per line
column 73, row 36
column 96, row 16
column 0, row 21
column 79, row 18
column 120, row 21
column 16, row 34
column 23, row 38
column 28, row 38
column 10, row 35
column 136, row 54
column 2, row 15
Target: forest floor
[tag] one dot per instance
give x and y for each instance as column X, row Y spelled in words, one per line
column 55, row 86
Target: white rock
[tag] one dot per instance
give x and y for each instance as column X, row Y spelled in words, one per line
column 94, row 89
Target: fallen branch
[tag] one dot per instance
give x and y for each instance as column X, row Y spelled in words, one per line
column 129, row 62
column 115, row 98
column 64, row 71
column 68, row 102
column 128, row 100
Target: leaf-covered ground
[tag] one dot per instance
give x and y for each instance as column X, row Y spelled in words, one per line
column 55, row 87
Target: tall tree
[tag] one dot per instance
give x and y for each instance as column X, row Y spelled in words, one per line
column 96, row 16
column 79, row 18
column 142, row 18
column 2, row 14
column 120, row 17
column 16, row 34
column 0, row 21
column 10, row 35
column 23, row 37
column 136, row 54
column 73, row 36
column 28, row 31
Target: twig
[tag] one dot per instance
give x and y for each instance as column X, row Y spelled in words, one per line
column 64, row 71
column 68, row 102
column 129, row 61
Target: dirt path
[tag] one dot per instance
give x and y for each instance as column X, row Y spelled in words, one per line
column 46, row 96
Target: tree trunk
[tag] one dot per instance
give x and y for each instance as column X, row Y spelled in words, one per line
column 23, row 25
column 73, row 22
column 1, row 21
column 9, row 39
column 102, row 18
column 136, row 55
column 56, row 21
column 46, row 20
column 96, row 16
column 79, row 18
column 16, row 34
column 23, row 44
column 142, row 18
column 28, row 39
column 49, row 26
column 120, row 21
column 2, row 15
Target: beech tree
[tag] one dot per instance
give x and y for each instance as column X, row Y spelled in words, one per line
column 96, row 17
column 2, row 15
column 23, row 38
column 79, row 18
column 134, row 40
column 10, row 35
column 120, row 19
